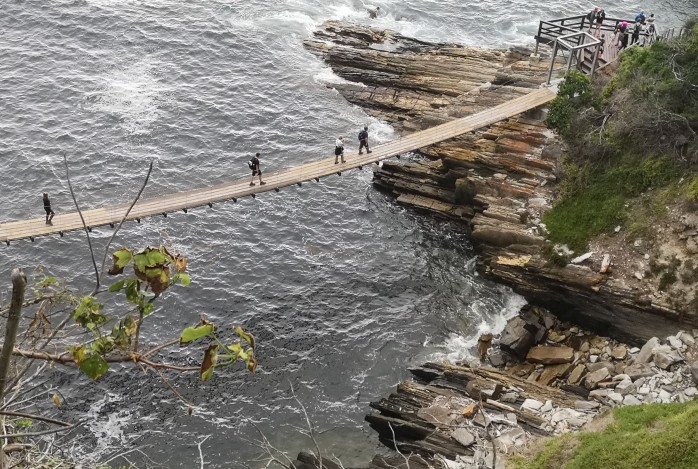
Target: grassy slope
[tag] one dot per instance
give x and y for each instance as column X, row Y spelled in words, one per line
column 661, row 436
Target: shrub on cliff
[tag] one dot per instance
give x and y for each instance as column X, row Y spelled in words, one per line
column 632, row 133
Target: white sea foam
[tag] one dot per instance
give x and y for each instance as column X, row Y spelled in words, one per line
column 133, row 94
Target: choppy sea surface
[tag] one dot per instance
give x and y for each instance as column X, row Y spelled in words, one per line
column 343, row 289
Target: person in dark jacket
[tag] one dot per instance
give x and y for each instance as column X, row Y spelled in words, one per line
column 256, row 171
column 363, row 141
column 47, row 209
column 591, row 17
column 636, row 33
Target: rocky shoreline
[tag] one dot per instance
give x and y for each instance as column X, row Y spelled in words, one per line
column 546, row 373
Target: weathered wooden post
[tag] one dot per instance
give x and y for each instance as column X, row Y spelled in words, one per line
column 19, row 282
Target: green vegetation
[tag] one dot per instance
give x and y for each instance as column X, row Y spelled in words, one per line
column 633, row 134
column 646, row 436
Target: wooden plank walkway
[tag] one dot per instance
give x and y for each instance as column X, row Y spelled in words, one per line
column 274, row 181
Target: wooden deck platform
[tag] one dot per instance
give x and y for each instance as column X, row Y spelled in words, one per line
column 29, row 229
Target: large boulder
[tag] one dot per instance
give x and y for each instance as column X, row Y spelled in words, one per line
column 517, row 337
column 593, row 379
column 550, row 355
column 665, row 356
column 647, row 351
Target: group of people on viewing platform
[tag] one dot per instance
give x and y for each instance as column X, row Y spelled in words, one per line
column 623, row 33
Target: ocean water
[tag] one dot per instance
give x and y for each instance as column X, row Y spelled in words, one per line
column 343, row 289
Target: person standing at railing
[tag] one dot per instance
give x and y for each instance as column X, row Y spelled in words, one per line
column 651, row 30
column 591, row 17
column 640, row 18
column 600, row 16
column 636, row 33
column 621, row 29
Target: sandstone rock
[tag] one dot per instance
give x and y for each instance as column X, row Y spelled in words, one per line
column 638, row 370
column 532, row 405
column 598, row 365
column 619, row 353
column 605, row 263
column 600, row 394
column 584, row 347
column 664, row 396
column 631, row 400
column 550, row 373
column 576, row 374
column 547, row 407
column 586, row 405
column 594, row 378
column 675, row 342
column 625, row 387
column 634, row 350
column 509, row 397
column 665, row 356
column 556, row 337
column 643, row 390
column 550, row 355
column 687, row 338
column 616, row 398
column 690, row 392
column 593, row 358
column 565, row 414
column 621, row 377
column 647, row 351
column 463, row 436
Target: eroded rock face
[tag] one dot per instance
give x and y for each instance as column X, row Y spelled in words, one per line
column 498, row 181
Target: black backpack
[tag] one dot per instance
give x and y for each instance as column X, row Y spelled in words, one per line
column 362, row 135
column 251, row 165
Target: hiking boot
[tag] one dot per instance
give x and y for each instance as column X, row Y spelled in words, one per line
column 336, row 162
column 262, row 183
column 361, row 153
column 252, row 184
column 344, row 161
column 369, row 151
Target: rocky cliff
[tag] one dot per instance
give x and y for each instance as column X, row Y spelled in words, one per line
column 498, row 180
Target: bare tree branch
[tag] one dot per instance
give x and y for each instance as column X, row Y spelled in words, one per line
column 84, row 225
column 123, row 219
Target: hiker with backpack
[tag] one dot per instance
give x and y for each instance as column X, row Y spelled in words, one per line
column 363, row 141
column 621, row 29
column 254, row 166
column 339, row 150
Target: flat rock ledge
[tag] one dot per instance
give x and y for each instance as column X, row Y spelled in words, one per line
column 498, row 181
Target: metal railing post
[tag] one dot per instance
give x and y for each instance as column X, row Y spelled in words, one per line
column 552, row 63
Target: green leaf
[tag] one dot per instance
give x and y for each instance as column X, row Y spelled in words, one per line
column 123, row 257
column 94, row 366
column 246, row 336
column 132, row 291
column 103, row 345
column 190, row 334
column 120, row 259
column 47, row 281
column 117, row 286
column 87, row 314
column 184, row 279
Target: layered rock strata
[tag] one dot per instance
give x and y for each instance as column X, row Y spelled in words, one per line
column 498, row 180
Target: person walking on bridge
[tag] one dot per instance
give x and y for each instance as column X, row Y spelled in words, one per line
column 363, row 141
column 256, row 171
column 339, row 150
column 47, row 208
